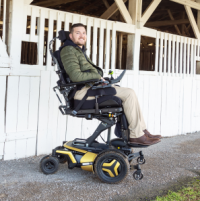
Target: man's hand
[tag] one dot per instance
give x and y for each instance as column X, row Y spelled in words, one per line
column 103, row 80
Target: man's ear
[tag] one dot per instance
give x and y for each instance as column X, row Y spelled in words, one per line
column 70, row 36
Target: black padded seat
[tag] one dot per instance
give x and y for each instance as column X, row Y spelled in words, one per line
column 104, row 102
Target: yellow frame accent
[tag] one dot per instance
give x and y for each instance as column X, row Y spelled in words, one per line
column 88, row 157
column 73, row 148
column 109, row 164
column 69, row 153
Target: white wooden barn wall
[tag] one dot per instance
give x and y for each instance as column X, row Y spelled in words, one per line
column 30, row 122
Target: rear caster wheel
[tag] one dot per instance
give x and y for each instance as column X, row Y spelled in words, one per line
column 141, row 161
column 137, row 175
column 111, row 167
column 49, row 165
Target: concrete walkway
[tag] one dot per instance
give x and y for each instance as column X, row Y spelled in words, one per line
column 168, row 165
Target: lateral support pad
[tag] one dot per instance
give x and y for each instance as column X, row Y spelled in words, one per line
column 105, row 124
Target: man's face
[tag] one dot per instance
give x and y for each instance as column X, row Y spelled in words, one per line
column 78, row 36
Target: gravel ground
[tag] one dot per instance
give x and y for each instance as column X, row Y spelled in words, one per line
column 169, row 164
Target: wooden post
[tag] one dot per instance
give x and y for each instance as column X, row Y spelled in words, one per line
column 17, row 9
column 133, row 41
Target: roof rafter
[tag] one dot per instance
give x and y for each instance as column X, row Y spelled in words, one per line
column 124, row 12
column 150, row 9
column 189, row 3
column 110, row 11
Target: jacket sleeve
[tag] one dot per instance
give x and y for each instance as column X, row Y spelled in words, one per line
column 72, row 67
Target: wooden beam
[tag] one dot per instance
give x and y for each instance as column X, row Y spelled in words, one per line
column 110, row 11
column 198, row 15
column 53, row 2
column 192, row 22
column 188, row 3
column 150, row 9
column 167, row 23
column 172, row 18
column 124, row 12
column 106, row 3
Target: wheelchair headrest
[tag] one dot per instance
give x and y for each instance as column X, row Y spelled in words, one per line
column 63, row 35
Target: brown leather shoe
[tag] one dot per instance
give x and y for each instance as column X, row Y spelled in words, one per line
column 150, row 135
column 144, row 140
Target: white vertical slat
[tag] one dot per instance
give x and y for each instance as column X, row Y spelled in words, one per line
column 184, row 56
column 9, row 152
column 146, row 99
column 152, row 107
column 24, row 24
column 30, row 147
column 2, row 104
column 20, row 149
column 4, row 20
column 195, row 57
column 177, row 54
column 173, row 53
column 192, row 58
column 88, row 36
column 75, row 19
column 52, row 115
column 161, row 52
column 66, row 28
column 50, row 37
column 58, row 28
column 101, row 42
column 166, row 36
column 43, row 112
column 23, row 103
column 157, row 50
column 169, row 54
column 198, row 50
column 12, row 104
column 181, row 56
column 41, row 26
column 188, row 55
column 33, row 24
column 33, row 103
column 113, row 47
column 94, row 46
column 107, row 47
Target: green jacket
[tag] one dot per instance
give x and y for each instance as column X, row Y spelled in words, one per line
column 77, row 65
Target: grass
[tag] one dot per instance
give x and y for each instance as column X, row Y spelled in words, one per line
column 189, row 193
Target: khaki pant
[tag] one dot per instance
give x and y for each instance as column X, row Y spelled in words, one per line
column 131, row 108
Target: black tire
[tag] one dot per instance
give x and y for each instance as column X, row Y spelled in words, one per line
column 141, row 162
column 62, row 158
column 49, row 165
column 116, row 171
column 137, row 176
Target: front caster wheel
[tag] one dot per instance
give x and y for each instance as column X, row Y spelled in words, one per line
column 141, row 161
column 137, row 175
column 49, row 165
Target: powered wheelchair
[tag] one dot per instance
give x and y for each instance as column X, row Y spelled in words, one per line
column 110, row 161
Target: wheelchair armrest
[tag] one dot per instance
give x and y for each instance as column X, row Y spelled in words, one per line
column 101, row 87
column 79, row 83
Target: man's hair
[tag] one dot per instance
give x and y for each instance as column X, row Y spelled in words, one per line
column 76, row 25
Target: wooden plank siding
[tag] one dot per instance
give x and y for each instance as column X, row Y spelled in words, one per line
column 167, row 86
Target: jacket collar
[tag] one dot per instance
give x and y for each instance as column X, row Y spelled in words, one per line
column 71, row 43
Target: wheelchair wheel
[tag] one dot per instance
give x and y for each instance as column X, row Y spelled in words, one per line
column 49, row 165
column 111, row 167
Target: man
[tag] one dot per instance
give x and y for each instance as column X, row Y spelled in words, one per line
column 80, row 68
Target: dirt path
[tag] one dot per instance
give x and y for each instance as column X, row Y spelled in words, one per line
column 168, row 165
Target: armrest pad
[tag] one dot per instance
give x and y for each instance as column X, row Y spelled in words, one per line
column 79, row 83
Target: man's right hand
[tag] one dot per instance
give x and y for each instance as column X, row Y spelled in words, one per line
column 104, row 81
